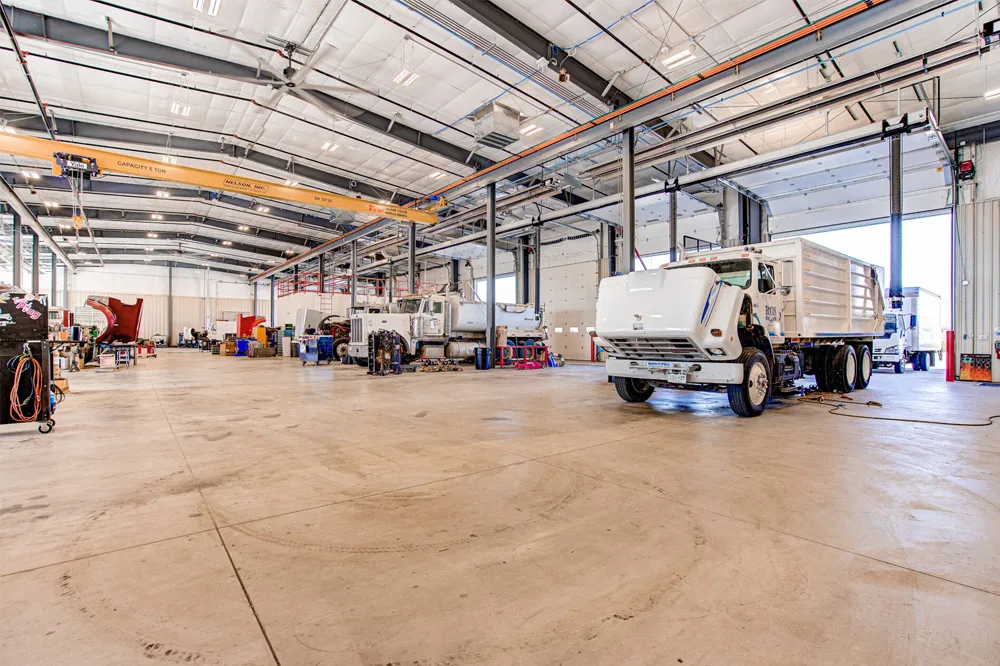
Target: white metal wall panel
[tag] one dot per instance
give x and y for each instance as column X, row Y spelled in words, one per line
column 976, row 305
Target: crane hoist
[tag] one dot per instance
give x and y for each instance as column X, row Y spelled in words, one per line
column 74, row 159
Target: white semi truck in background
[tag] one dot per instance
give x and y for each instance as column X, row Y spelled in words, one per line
column 747, row 319
column 913, row 333
column 444, row 325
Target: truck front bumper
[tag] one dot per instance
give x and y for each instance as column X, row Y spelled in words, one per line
column 677, row 372
column 886, row 359
column 357, row 350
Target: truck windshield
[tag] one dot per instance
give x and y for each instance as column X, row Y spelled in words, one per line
column 890, row 327
column 410, row 305
column 736, row 272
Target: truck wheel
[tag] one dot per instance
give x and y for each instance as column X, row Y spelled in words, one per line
column 820, row 369
column 923, row 361
column 633, row 390
column 915, row 362
column 749, row 397
column 864, row 376
column 341, row 348
column 843, row 369
column 897, row 367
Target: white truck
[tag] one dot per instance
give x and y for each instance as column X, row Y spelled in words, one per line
column 912, row 333
column 443, row 325
column 747, row 319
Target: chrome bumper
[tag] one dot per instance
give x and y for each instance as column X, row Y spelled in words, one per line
column 677, row 372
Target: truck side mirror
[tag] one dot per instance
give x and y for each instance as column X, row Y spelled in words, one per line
column 913, row 321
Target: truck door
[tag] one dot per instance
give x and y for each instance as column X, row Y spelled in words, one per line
column 769, row 302
column 433, row 317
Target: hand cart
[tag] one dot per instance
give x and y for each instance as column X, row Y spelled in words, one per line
column 25, row 361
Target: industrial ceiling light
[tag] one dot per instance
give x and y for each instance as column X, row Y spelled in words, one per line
column 163, row 194
column 9, row 129
column 156, row 216
column 291, row 183
column 152, row 235
column 30, row 175
column 227, row 242
column 528, row 130
column 681, row 57
column 437, row 175
column 262, row 209
column 180, row 109
column 405, row 78
column 330, row 146
column 51, row 204
column 169, row 159
column 990, row 94
column 210, row 7
column 243, row 227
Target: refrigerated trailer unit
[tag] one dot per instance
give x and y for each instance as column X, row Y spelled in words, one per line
column 746, row 319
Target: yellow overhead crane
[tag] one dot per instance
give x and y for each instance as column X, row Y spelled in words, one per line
column 58, row 151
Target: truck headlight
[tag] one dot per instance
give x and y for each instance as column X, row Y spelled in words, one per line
column 891, row 350
column 715, row 351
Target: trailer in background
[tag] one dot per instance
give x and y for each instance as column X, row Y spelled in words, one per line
column 913, row 333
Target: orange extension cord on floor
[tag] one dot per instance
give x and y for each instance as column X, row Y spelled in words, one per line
column 26, row 363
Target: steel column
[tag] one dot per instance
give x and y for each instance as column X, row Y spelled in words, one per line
column 411, row 262
column 392, row 280
column 254, row 299
column 16, row 251
column 672, row 221
column 295, row 278
column 524, row 279
column 354, row 273
column 612, row 250
column 272, row 302
column 538, row 269
column 895, row 222
column 491, row 272
column 35, row 268
column 454, row 274
column 54, row 288
column 628, row 200
column 170, row 304
column 322, row 270
column 65, row 289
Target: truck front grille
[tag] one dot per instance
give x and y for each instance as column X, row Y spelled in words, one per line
column 357, row 330
column 658, row 349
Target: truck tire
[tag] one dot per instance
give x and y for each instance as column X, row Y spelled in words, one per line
column 915, row 362
column 750, row 396
column 843, row 369
column 821, row 368
column 341, row 347
column 864, row 376
column 897, row 367
column 633, row 390
column 923, row 361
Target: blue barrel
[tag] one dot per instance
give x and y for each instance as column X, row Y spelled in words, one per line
column 482, row 358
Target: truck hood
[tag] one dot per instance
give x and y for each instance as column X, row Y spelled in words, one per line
column 676, row 308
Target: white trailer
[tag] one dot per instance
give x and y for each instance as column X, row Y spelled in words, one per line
column 443, row 326
column 746, row 318
column 913, row 333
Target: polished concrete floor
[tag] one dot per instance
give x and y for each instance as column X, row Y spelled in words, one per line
column 206, row 510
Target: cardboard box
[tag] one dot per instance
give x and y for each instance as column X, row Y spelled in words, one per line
column 62, row 383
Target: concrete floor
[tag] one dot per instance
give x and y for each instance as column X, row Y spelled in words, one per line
column 210, row 510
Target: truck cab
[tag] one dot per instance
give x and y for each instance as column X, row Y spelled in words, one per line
column 428, row 315
column 891, row 350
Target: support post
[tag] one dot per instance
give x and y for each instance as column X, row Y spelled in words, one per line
column 524, row 280
column 322, row 273
column 170, row 303
column 16, row 251
column 411, row 260
column 36, row 250
column 354, row 273
column 254, row 299
column 491, row 271
column 672, row 221
column 54, row 287
column 612, row 250
column 454, row 274
column 65, row 289
column 538, row 269
column 272, row 302
column 392, row 280
column 295, row 278
column 895, row 222
column 628, row 200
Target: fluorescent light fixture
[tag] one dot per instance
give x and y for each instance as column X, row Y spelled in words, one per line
column 674, row 59
column 51, row 204
column 210, row 7
column 405, row 78
column 227, row 242
column 243, row 227
column 289, row 251
column 32, row 175
column 437, row 175
column 64, row 226
column 156, row 216
column 384, row 202
column 149, row 249
column 152, row 235
column 990, row 94
column 168, row 159
column 682, row 62
column 9, row 129
column 330, row 146
column 163, row 194
column 180, row 109
column 291, row 183
column 528, row 130
column 262, row 209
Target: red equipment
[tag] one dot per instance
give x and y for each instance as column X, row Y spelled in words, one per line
column 123, row 319
column 245, row 325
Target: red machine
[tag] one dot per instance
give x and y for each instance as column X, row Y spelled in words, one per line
column 123, row 319
column 245, row 325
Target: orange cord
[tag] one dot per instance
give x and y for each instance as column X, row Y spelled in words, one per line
column 16, row 412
